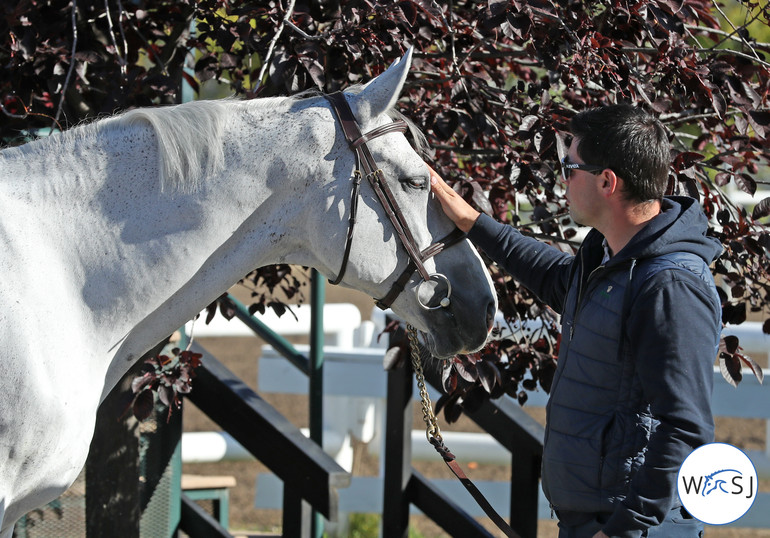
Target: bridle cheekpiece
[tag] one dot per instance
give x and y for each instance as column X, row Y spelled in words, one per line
column 366, row 167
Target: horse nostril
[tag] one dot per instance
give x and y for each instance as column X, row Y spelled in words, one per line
column 491, row 311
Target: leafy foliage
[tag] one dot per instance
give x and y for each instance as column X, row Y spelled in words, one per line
column 731, row 361
column 494, row 85
column 168, row 377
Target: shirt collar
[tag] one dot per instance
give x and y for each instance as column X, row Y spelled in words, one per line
column 607, row 252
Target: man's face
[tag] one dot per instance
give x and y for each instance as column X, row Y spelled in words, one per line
column 582, row 193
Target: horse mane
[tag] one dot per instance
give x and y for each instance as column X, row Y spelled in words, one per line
column 189, row 137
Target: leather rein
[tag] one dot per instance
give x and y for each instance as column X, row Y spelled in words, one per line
column 367, row 167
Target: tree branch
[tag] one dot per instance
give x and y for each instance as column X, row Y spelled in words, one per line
column 148, row 46
column 735, row 30
column 72, row 64
column 12, row 115
column 273, row 42
column 302, row 33
column 653, row 51
column 111, row 31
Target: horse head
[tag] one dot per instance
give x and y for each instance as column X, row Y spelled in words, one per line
column 443, row 290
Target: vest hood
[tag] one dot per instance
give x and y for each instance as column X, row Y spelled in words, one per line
column 680, row 227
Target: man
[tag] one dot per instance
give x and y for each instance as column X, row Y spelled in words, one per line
column 640, row 328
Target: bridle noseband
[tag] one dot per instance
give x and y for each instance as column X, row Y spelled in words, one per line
column 367, row 167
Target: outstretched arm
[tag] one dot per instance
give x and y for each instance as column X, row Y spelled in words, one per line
column 543, row 269
column 457, row 209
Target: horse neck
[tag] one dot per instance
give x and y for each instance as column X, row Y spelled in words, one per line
column 254, row 212
column 142, row 260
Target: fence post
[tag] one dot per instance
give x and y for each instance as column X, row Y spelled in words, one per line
column 398, row 450
column 297, row 514
column 525, row 488
column 113, row 498
column 316, row 374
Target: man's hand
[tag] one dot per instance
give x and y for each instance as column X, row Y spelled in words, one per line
column 457, row 209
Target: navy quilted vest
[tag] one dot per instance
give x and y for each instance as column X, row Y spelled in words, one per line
column 600, row 429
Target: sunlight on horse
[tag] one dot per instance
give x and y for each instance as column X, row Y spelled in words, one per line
column 117, row 233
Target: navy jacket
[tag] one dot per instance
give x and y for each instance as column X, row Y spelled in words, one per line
column 631, row 396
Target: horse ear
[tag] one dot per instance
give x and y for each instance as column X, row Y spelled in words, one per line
column 381, row 93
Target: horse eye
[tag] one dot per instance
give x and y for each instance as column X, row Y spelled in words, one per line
column 415, row 182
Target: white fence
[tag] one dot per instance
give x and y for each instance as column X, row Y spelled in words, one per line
column 355, row 388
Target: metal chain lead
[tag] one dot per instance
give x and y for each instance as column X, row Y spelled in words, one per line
column 434, row 438
column 432, row 430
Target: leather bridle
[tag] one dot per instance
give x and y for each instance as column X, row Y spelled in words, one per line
column 367, row 167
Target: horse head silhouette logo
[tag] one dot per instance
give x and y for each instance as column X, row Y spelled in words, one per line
column 714, row 482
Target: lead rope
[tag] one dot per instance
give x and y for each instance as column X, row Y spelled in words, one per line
column 433, row 434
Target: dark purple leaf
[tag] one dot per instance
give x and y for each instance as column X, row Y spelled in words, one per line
column 449, row 380
column 746, row 183
column 465, row 369
column 166, row 394
column 753, row 365
column 686, row 160
column 278, row 308
column 730, row 366
column 140, row 383
column 144, row 403
column 729, row 344
column 760, row 121
column 488, row 374
column 445, row 124
column 392, row 358
column 226, row 308
column 452, row 412
column 722, row 178
column 762, row 209
column 206, row 68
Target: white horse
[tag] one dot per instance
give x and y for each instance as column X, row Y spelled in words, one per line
column 116, row 233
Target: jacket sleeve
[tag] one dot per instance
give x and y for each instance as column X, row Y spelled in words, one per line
column 673, row 331
column 541, row 268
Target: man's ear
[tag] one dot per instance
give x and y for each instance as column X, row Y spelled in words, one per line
column 609, row 183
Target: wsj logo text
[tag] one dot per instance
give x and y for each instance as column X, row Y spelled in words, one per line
column 725, row 481
column 717, row 483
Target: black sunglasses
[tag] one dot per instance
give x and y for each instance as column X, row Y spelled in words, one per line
column 567, row 167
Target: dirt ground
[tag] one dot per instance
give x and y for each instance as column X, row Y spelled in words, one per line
column 241, row 355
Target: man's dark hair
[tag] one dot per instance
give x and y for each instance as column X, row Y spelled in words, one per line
column 631, row 143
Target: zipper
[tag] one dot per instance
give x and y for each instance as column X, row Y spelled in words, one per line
column 581, row 287
column 574, row 318
column 569, row 341
column 579, row 297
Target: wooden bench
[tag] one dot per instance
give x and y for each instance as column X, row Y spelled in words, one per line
column 213, row 488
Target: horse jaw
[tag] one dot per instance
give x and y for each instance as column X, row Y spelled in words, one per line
column 381, row 93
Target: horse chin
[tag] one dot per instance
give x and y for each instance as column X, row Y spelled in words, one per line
column 436, row 351
column 447, row 347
